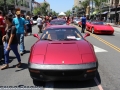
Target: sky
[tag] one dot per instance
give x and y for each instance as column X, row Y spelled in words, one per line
column 59, row 5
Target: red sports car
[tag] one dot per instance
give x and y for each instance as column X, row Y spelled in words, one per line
column 99, row 27
column 62, row 53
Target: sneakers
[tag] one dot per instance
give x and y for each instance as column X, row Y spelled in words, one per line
column 21, row 53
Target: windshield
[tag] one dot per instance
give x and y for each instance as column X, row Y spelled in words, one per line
column 58, row 22
column 97, row 23
column 65, row 34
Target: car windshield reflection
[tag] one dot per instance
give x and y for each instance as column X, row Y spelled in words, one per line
column 97, row 23
column 63, row 34
column 58, row 22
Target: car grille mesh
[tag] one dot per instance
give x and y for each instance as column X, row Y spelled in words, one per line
column 63, row 73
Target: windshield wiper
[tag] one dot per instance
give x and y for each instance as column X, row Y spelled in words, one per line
column 46, row 39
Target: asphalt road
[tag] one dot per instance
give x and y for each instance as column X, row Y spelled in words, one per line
column 108, row 77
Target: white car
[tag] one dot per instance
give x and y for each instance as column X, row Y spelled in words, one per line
column 34, row 22
column 77, row 21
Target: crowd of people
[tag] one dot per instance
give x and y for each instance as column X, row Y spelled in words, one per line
column 13, row 29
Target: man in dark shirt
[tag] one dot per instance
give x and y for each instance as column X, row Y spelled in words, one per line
column 83, row 23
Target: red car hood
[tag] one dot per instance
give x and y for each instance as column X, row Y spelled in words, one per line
column 103, row 27
column 63, row 53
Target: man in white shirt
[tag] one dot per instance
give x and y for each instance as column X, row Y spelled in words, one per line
column 40, row 24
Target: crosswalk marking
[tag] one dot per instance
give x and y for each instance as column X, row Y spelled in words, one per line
column 97, row 49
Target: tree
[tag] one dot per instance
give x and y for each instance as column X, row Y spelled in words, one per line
column 44, row 8
column 37, row 11
column 68, row 12
column 85, row 4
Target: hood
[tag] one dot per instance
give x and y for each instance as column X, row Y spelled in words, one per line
column 64, row 53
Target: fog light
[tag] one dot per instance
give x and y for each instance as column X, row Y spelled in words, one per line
column 92, row 70
column 41, row 76
column 85, row 75
column 34, row 71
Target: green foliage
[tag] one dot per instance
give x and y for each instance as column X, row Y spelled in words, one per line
column 36, row 11
column 85, row 3
column 68, row 13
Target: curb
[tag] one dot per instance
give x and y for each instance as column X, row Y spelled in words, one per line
column 115, row 26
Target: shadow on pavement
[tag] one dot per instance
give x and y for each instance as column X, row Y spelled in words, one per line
column 27, row 51
column 22, row 67
column 71, row 84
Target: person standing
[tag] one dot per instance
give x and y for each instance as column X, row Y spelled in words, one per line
column 20, row 25
column 83, row 20
column 40, row 24
column 2, row 33
column 28, row 25
column 11, row 43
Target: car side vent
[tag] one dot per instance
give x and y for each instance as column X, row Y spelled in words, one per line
column 54, row 43
column 70, row 43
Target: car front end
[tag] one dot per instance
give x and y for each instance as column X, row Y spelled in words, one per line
column 63, row 72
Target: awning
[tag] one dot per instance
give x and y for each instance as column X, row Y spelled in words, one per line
column 105, row 12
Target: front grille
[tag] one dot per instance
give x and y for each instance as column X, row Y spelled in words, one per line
column 64, row 73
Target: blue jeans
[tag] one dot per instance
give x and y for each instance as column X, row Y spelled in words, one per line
column 21, row 41
column 1, row 51
column 14, row 48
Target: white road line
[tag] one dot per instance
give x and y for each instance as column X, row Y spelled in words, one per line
column 98, row 84
column 49, row 86
column 97, row 49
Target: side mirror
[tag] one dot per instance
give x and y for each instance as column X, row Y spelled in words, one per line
column 36, row 35
column 86, row 35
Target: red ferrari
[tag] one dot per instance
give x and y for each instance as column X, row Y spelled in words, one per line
column 99, row 27
column 62, row 53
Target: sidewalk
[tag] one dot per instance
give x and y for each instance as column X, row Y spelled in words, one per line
column 112, row 24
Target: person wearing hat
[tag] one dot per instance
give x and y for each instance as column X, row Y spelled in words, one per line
column 20, row 25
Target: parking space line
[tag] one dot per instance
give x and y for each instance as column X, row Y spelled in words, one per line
column 98, row 84
column 49, row 86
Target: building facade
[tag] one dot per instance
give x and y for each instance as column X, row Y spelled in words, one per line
column 77, row 3
column 24, row 5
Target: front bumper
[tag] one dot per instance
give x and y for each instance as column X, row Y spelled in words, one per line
column 63, row 72
column 104, row 32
